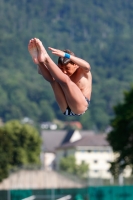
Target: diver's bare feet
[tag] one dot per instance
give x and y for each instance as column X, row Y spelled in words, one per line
column 33, row 51
column 42, row 53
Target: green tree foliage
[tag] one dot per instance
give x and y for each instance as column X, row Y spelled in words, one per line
column 121, row 136
column 20, row 144
column 69, row 165
column 100, row 33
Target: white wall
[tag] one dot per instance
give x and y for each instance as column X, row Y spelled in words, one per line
column 76, row 136
column 97, row 159
column 48, row 159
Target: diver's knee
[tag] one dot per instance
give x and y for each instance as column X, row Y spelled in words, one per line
column 65, row 81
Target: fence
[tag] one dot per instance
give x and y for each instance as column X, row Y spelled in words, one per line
column 111, row 193
column 45, row 194
column 89, row 193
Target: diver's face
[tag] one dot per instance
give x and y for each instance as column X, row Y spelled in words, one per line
column 68, row 69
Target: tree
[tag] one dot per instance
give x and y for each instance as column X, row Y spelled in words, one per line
column 121, row 136
column 69, row 165
column 5, row 154
column 20, row 144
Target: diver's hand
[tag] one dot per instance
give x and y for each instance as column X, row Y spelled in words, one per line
column 57, row 52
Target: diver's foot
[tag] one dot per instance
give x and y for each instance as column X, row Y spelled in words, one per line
column 33, row 51
column 42, row 53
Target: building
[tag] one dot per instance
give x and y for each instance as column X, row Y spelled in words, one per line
column 86, row 146
column 92, row 149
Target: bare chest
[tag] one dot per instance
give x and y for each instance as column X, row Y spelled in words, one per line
column 80, row 80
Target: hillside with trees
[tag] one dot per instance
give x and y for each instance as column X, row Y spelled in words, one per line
column 97, row 31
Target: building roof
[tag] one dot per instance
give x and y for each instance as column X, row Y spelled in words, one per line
column 53, row 139
column 68, row 136
column 76, row 124
column 39, row 179
column 88, row 140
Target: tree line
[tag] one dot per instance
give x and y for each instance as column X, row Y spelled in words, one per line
column 100, row 33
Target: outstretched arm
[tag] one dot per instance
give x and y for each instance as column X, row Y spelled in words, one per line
column 78, row 61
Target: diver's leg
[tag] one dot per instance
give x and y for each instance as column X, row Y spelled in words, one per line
column 72, row 93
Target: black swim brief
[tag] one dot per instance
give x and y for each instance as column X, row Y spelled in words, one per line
column 70, row 113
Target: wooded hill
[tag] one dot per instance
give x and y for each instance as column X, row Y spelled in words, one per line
column 96, row 30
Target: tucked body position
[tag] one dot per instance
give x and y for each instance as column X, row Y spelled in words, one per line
column 71, row 79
